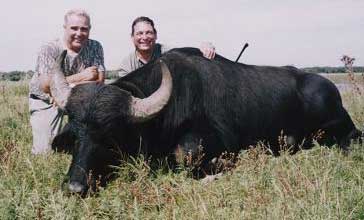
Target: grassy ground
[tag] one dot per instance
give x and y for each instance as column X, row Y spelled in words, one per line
column 320, row 183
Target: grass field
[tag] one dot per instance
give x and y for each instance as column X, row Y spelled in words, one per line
column 320, row 183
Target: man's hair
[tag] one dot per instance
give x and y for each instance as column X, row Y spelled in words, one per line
column 142, row 19
column 78, row 12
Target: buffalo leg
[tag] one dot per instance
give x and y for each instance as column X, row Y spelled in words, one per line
column 196, row 151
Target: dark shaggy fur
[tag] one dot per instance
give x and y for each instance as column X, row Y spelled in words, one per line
column 222, row 105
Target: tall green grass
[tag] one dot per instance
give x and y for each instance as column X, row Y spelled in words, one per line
column 320, row 183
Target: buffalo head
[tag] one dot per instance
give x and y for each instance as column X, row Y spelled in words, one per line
column 101, row 116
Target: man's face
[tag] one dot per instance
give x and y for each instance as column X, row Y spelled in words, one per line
column 144, row 37
column 76, row 32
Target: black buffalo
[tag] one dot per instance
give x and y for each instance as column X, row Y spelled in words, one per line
column 183, row 100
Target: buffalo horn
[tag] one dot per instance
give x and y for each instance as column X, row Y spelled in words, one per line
column 60, row 90
column 144, row 109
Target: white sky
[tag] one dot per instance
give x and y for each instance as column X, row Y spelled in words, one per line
column 281, row 32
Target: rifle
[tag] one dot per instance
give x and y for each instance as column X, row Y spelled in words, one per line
column 241, row 52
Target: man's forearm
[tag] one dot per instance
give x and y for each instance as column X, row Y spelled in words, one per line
column 76, row 78
column 101, row 77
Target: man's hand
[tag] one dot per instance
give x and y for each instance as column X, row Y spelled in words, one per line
column 89, row 74
column 208, row 50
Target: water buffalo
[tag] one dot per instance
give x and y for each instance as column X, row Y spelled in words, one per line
column 183, row 100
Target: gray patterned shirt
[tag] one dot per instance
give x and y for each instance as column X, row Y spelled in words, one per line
column 90, row 55
column 132, row 62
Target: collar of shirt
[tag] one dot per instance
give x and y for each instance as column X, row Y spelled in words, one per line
column 155, row 54
column 70, row 52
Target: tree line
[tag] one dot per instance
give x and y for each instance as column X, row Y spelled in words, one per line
column 328, row 69
column 24, row 75
column 113, row 74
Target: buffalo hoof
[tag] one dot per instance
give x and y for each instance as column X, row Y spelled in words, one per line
column 76, row 187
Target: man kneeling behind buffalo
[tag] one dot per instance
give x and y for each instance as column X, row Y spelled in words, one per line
column 84, row 63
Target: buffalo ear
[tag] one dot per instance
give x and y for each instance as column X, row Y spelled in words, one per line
column 64, row 141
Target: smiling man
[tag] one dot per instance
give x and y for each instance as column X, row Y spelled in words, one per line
column 144, row 37
column 84, row 63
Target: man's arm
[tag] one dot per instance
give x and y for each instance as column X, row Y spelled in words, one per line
column 100, row 79
column 90, row 74
column 44, row 66
column 99, row 62
column 95, row 73
column 125, row 67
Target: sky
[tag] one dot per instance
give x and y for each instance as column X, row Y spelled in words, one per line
column 281, row 32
